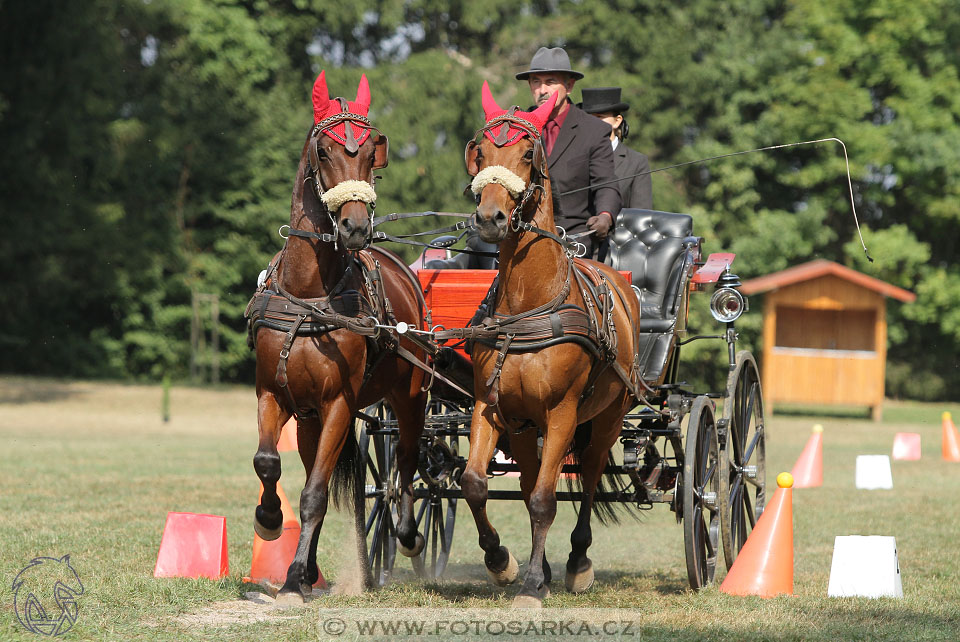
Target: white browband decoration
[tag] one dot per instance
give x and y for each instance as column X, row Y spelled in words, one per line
column 501, row 176
column 348, row 191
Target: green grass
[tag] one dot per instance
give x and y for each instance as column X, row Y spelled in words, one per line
column 92, row 470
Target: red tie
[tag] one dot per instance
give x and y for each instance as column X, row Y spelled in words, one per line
column 550, row 133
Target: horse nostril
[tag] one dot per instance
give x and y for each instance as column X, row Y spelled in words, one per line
column 347, row 226
column 500, row 217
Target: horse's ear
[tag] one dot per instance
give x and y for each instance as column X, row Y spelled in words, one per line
column 321, row 97
column 471, row 155
column 363, row 92
column 489, row 103
column 381, row 152
column 541, row 114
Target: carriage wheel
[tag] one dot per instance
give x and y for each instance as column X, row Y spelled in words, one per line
column 742, row 461
column 701, row 485
column 378, row 454
column 439, row 477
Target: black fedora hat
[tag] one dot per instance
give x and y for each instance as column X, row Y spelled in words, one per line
column 598, row 100
column 550, row 60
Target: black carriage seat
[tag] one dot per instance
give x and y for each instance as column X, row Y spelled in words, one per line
column 654, row 247
column 461, row 261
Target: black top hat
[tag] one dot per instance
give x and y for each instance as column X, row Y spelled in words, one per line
column 549, row 60
column 598, row 100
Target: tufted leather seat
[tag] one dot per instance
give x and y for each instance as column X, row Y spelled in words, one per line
column 653, row 245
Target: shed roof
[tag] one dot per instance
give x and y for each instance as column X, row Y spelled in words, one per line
column 822, row 267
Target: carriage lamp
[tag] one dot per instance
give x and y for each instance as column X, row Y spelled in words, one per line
column 727, row 304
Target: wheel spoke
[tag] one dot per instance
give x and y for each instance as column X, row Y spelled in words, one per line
column 373, row 513
column 748, row 509
column 757, row 436
column 423, row 508
column 708, row 476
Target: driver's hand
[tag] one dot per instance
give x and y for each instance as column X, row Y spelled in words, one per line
column 600, row 224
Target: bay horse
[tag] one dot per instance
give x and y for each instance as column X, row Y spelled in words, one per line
column 320, row 354
column 565, row 351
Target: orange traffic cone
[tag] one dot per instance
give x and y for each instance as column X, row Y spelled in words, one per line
column 288, row 436
column 764, row 566
column 808, row 471
column 951, row 439
column 272, row 559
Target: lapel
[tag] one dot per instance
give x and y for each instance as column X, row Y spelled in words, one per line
column 567, row 134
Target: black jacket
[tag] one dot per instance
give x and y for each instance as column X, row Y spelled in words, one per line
column 582, row 156
column 637, row 191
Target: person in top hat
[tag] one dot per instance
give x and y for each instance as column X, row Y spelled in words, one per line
column 578, row 150
column 605, row 104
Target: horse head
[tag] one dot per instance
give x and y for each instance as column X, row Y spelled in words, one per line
column 507, row 161
column 343, row 151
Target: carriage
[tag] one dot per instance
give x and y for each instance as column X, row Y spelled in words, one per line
column 569, row 357
column 676, row 449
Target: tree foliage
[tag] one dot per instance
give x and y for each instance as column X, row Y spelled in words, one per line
column 149, row 149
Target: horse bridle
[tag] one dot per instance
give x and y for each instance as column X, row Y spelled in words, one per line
column 538, row 172
column 538, row 167
column 313, row 167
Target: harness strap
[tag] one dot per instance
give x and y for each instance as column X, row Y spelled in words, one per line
column 402, row 215
column 493, row 381
column 281, row 376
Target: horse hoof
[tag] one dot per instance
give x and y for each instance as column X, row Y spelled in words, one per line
column 578, row 582
column 288, row 599
column 508, row 575
column 267, row 534
column 417, row 547
column 531, row 601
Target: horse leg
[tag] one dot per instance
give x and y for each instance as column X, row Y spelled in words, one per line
column 268, row 518
column 502, row 567
column 543, row 503
column 410, row 417
column 524, row 447
column 579, row 576
column 337, row 420
column 308, row 440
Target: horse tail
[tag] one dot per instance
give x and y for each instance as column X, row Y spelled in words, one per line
column 608, row 512
column 346, row 480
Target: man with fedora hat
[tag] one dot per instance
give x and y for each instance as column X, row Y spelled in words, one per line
column 605, row 104
column 578, row 150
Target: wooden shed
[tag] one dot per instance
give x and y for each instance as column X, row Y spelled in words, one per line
column 824, row 335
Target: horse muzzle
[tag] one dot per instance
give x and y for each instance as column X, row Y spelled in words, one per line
column 492, row 223
column 354, row 229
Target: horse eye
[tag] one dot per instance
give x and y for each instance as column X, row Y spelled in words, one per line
column 529, row 155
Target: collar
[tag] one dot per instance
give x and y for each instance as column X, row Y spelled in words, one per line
column 615, row 142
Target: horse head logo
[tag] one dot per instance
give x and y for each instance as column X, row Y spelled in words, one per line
column 45, row 595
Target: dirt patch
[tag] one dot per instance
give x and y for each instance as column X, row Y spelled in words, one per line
column 257, row 607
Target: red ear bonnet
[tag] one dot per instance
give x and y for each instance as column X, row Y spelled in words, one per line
column 321, row 98
column 323, row 107
column 538, row 117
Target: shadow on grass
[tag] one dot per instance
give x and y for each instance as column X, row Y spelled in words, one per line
column 833, row 412
column 23, row 391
